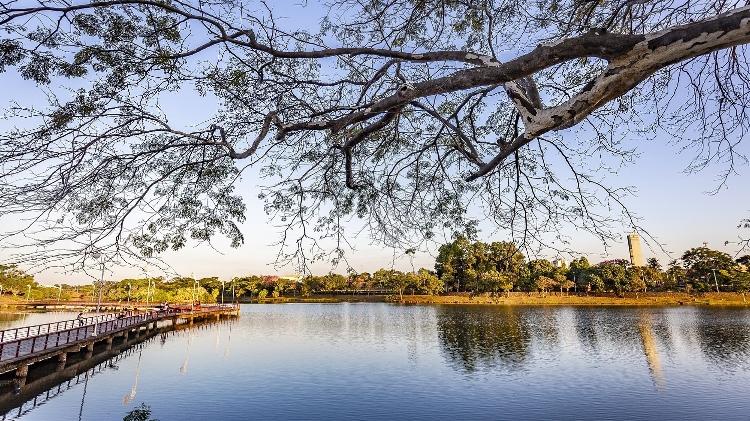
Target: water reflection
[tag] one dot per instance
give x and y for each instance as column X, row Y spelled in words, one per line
column 42, row 390
column 376, row 361
column 49, row 379
column 650, row 350
column 476, row 338
column 134, row 390
column 141, row 413
column 725, row 342
column 482, row 338
column 586, row 328
column 13, row 319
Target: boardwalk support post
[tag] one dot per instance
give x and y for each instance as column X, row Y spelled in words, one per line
column 22, row 371
column 61, row 360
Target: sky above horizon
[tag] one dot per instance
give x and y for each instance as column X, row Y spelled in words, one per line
column 676, row 208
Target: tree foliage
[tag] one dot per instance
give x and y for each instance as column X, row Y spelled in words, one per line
column 408, row 116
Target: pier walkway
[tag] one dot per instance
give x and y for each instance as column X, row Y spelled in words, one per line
column 23, row 346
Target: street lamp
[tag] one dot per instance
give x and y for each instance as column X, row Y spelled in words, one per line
column 130, row 287
column 715, row 281
column 222, row 292
column 59, row 292
column 151, row 285
column 99, row 256
column 28, row 294
column 101, row 288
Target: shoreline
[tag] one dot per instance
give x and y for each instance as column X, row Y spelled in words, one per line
column 653, row 299
column 524, row 299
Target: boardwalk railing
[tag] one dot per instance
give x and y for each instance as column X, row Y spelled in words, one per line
column 28, row 340
column 36, row 330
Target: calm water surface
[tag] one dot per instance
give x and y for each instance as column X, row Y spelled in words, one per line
column 382, row 361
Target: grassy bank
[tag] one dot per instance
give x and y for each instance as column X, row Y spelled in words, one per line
column 514, row 298
column 647, row 299
column 630, row 299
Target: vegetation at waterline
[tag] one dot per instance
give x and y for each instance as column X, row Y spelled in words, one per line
column 489, row 267
column 461, row 267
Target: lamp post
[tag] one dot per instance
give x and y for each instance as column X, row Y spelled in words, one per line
column 101, row 287
column 59, row 292
column 28, row 294
column 192, row 294
column 1, row 289
column 715, row 281
column 130, row 287
column 222, row 292
column 151, row 285
column 99, row 256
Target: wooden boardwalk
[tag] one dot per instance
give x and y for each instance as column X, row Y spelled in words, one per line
column 21, row 347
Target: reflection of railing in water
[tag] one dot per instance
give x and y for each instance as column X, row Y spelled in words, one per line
column 67, row 381
column 79, row 378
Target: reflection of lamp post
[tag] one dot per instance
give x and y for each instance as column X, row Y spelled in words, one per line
column 83, row 397
column 133, row 390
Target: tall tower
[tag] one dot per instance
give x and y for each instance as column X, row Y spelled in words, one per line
column 634, row 245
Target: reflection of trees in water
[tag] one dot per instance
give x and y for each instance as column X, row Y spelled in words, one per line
column 724, row 338
column 8, row 320
column 474, row 338
column 585, row 324
column 141, row 413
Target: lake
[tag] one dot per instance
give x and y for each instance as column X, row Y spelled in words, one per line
column 384, row 361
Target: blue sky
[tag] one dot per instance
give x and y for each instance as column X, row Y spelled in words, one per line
column 675, row 206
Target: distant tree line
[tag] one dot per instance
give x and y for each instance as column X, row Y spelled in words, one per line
column 461, row 266
column 466, row 266
column 422, row 281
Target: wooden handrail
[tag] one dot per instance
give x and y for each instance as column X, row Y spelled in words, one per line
column 25, row 345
